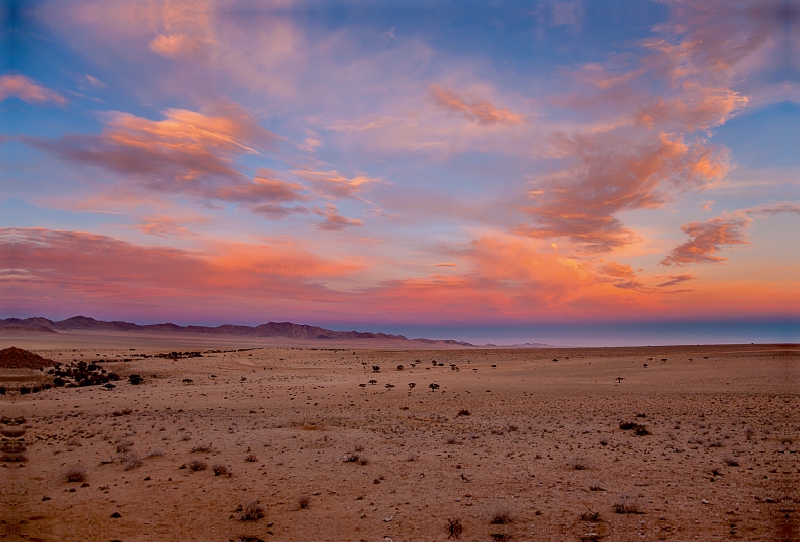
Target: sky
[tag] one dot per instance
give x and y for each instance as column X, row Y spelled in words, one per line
column 569, row 172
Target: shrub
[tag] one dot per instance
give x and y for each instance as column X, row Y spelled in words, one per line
column 196, row 465
column 124, row 446
column 221, row 470
column 202, row 449
column 579, row 463
column 597, row 485
column 500, row 516
column 463, row 412
column 304, row 502
column 131, row 461
column 250, row 458
column 730, row 461
column 627, row 505
column 135, row 379
column 355, row 457
column 155, row 452
column 590, row 516
column 76, row 473
column 454, row 528
column 250, row 511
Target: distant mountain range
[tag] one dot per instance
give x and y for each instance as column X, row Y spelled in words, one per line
column 271, row 329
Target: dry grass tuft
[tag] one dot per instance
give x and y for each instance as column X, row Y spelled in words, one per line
column 500, row 516
column 131, row 461
column 627, row 505
column 579, row 463
column 76, row 473
column 251, row 511
column 221, row 470
column 196, row 465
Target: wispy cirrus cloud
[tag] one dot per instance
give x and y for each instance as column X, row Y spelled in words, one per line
column 609, row 175
column 27, row 90
column 473, row 108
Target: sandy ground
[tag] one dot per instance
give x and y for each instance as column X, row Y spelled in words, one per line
column 541, row 442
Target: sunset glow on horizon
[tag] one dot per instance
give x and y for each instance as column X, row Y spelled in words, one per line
column 435, row 168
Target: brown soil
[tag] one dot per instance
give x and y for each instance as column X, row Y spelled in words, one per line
column 332, row 457
column 17, row 358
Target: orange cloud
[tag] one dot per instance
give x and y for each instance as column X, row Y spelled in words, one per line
column 609, row 176
column 620, row 276
column 708, row 238
column 24, row 88
column 503, row 278
column 186, row 152
column 477, row 110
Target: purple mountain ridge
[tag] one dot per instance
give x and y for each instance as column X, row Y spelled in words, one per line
column 271, row 329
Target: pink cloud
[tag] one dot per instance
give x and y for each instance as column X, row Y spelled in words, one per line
column 708, row 238
column 26, row 89
column 699, row 108
column 333, row 220
column 179, row 45
column 81, row 271
column 335, row 185
column 608, row 176
column 476, row 110
column 186, row 152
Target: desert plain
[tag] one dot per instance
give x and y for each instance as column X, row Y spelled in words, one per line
column 328, row 440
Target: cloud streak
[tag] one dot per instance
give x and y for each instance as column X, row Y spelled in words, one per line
column 333, row 220
column 477, row 110
column 27, row 90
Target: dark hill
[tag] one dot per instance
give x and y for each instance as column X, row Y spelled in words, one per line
column 271, row 329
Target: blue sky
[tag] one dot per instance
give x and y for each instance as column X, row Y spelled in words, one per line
column 403, row 165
